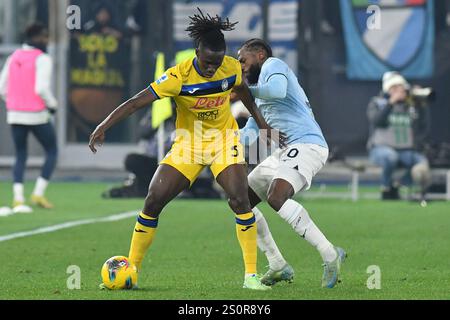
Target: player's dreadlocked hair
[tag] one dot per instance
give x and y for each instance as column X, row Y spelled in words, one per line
column 257, row 44
column 208, row 30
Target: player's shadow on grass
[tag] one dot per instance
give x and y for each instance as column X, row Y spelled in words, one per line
column 149, row 289
column 152, row 289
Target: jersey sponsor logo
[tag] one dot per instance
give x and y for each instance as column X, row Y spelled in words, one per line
column 208, row 115
column 209, row 103
column 162, row 79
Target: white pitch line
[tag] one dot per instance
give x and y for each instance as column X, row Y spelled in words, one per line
column 70, row 224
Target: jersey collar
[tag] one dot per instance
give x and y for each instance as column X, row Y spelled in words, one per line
column 196, row 67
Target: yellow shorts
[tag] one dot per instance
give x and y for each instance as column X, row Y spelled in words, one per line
column 191, row 160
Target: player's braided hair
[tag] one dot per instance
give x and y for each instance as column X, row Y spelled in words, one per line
column 208, row 30
column 257, row 44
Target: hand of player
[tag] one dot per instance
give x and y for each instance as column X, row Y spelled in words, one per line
column 276, row 136
column 97, row 137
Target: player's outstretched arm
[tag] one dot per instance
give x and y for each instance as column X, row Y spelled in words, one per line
column 127, row 108
column 243, row 93
column 274, row 88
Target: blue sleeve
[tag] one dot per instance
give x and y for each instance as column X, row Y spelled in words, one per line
column 274, row 88
column 249, row 134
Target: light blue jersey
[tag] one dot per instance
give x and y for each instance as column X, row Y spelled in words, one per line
column 291, row 114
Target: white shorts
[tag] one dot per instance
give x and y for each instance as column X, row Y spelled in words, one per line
column 297, row 164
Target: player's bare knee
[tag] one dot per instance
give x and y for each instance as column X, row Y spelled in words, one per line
column 239, row 204
column 153, row 204
column 276, row 200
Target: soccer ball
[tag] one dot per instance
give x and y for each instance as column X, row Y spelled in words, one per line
column 119, row 273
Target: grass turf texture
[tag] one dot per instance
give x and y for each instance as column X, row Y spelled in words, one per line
column 196, row 254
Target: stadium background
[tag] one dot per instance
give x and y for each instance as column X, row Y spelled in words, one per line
column 308, row 34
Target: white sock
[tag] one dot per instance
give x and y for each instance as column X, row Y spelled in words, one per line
column 18, row 192
column 299, row 219
column 40, row 186
column 266, row 243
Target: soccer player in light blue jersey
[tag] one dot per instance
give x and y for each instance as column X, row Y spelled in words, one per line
column 287, row 171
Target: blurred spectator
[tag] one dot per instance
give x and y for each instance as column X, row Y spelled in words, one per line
column 25, row 83
column 397, row 125
column 330, row 22
column 103, row 21
column 136, row 20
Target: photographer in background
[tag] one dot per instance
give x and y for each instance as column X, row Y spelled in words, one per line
column 398, row 120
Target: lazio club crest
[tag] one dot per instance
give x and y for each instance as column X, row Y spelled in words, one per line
column 400, row 32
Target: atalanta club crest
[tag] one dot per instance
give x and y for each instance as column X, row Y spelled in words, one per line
column 224, row 85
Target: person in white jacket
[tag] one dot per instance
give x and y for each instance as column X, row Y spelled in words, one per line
column 25, row 82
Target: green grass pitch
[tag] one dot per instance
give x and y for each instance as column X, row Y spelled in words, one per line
column 196, row 254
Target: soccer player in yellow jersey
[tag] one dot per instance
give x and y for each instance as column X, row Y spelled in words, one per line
column 207, row 135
